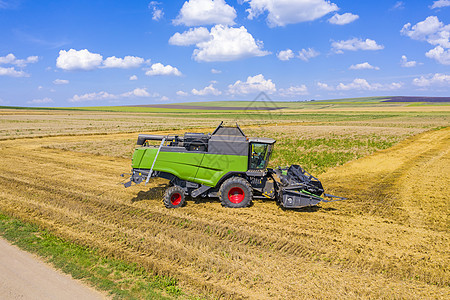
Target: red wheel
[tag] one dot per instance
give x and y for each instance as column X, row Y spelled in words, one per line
column 175, row 199
column 236, row 195
column 235, row 192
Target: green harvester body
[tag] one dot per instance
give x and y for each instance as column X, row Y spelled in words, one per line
column 202, row 168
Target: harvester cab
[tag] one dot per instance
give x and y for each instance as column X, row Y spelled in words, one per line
column 260, row 150
column 225, row 164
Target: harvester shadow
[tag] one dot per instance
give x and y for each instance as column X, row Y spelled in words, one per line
column 152, row 194
column 200, row 200
column 205, row 200
column 309, row 209
column 314, row 208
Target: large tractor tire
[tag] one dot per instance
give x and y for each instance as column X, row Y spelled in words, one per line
column 174, row 197
column 235, row 192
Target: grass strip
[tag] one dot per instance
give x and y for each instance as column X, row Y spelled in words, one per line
column 120, row 279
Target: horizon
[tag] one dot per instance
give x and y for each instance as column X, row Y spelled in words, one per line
column 423, row 100
column 84, row 54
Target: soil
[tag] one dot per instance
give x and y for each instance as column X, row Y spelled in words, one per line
column 417, row 99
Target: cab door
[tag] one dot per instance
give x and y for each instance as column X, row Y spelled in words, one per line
column 259, row 155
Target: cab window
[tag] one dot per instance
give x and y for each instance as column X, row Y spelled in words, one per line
column 259, row 156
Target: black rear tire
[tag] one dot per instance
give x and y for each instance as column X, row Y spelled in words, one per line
column 235, row 192
column 174, row 197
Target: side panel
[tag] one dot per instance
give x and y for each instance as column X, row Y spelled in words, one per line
column 215, row 166
column 137, row 157
column 199, row 167
column 184, row 165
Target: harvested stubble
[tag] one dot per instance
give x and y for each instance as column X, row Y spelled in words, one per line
column 354, row 248
column 26, row 124
column 41, row 123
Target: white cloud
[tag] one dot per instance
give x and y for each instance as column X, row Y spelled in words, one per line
column 10, row 4
column 160, row 69
column 407, row 64
column 12, row 72
column 123, row 63
column 157, row 12
column 324, row 86
column 398, row 5
column 78, row 60
column 440, row 3
column 343, row 19
column 435, row 33
column 191, row 37
column 223, row 43
column 92, row 97
column 440, row 54
column 362, row 84
column 437, row 79
column 11, row 59
column 285, row 54
column 32, row 59
column 283, row 12
column 205, row 12
column 138, row 92
column 214, row 71
column 253, row 84
column 431, row 30
column 85, row 60
column 182, row 93
column 227, row 44
column 40, row 101
column 355, row 44
column 294, row 91
column 133, row 77
column 164, row 98
column 60, row 81
column 364, row 65
column 208, row 90
column 306, row 54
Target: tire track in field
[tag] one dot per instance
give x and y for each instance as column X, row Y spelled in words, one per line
column 409, row 182
column 256, row 252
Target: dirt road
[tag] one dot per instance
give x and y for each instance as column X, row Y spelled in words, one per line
column 23, row 276
column 378, row 244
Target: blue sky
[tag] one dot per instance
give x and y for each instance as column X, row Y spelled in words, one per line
column 86, row 53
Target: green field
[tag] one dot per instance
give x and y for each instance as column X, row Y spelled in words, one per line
column 248, row 106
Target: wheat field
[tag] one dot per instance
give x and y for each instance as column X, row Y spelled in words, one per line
column 390, row 239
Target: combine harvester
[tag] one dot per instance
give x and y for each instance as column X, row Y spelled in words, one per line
column 225, row 164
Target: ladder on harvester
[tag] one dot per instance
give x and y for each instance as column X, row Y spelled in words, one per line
column 156, row 156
